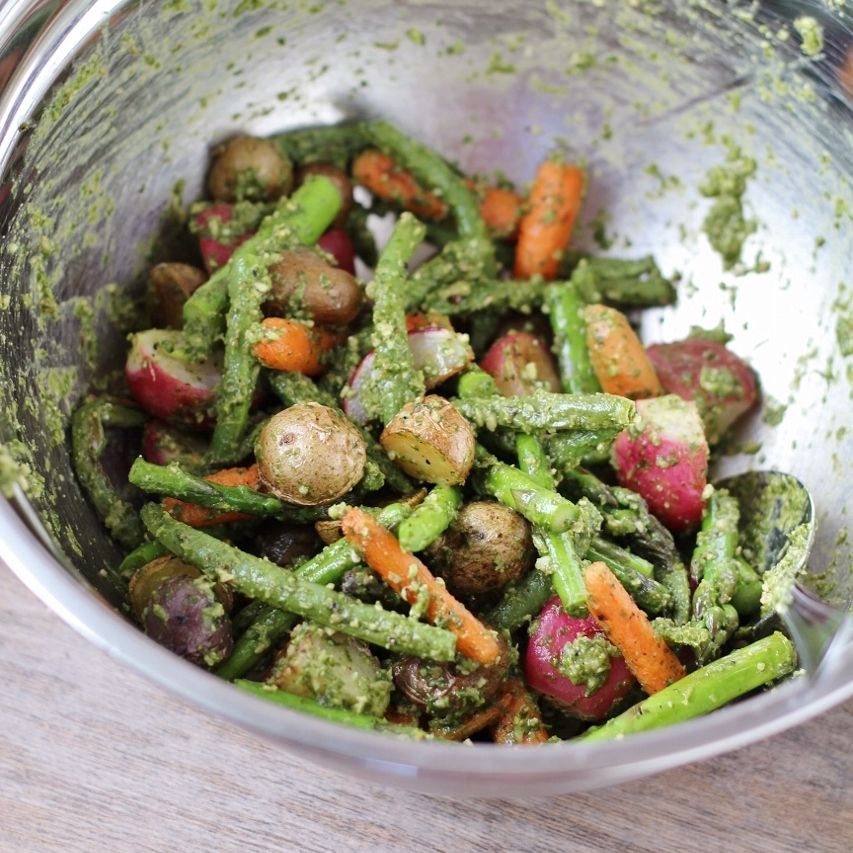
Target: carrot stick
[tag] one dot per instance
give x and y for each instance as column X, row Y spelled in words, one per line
column 406, row 574
column 431, row 320
column 380, row 173
column 545, row 230
column 650, row 659
column 296, row 348
column 501, row 210
column 618, row 358
column 519, row 721
column 202, row 516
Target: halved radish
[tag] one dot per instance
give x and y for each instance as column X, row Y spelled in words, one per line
column 338, row 244
column 162, row 444
column 666, row 461
column 520, row 363
column 215, row 252
column 705, row 371
column 546, row 671
column 440, row 353
column 175, row 391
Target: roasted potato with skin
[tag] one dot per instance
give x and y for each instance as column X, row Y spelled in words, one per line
column 333, row 669
column 170, row 287
column 431, row 441
column 310, row 455
column 285, row 544
column 303, row 280
column 251, row 169
column 339, row 178
column 487, row 546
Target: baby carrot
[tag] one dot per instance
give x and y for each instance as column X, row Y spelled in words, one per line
column 520, row 721
column 545, row 230
column 501, row 208
column 618, row 359
column 650, row 659
column 202, row 516
column 406, row 574
column 293, row 347
column 380, row 173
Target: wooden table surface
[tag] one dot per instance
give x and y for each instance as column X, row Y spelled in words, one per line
column 93, row 758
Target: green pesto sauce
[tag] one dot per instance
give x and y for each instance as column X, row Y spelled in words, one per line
column 586, row 661
column 725, row 224
column 811, row 33
column 777, row 587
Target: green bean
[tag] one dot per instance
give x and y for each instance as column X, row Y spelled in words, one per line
column 335, row 143
column 521, row 601
column 475, row 382
column 705, row 690
column 394, row 381
column 263, row 580
column 272, row 625
column 88, row 443
column 545, row 411
column 430, row 518
column 292, row 388
column 299, row 220
column 171, row 480
column 324, row 712
column 565, row 311
column 247, row 616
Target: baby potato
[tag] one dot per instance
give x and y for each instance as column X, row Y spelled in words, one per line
column 301, row 279
column 431, row 441
column 333, row 669
column 170, row 285
column 310, row 455
column 248, row 168
column 487, row 546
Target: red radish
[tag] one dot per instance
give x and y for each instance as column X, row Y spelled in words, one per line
column 338, row 244
column 215, row 252
column 520, row 363
column 440, row 353
column 552, row 631
column 705, row 371
column 175, row 391
column 666, row 460
column 162, row 444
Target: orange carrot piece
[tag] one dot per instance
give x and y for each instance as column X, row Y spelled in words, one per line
column 406, row 574
column 501, row 210
column 545, row 230
column 431, row 320
column 651, row 660
column 520, row 721
column 380, row 174
column 203, row 516
column 296, row 348
column 617, row 356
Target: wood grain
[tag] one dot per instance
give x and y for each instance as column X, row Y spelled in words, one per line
column 94, row 758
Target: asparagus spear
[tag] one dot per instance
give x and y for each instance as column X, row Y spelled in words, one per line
column 430, row 518
column 263, row 580
column 394, row 380
column 521, row 601
column 545, row 411
column 88, row 443
column 708, row 688
column 335, row 715
column 471, row 296
column 301, row 219
column 630, row 283
column 272, row 624
column 329, row 144
column 140, row 556
column 652, row 596
column 171, row 480
column 567, row 450
column 565, row 311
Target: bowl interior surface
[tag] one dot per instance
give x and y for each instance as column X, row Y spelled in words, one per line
column 109, row 121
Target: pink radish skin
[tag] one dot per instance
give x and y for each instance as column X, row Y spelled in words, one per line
column 214, row 253
column 338, row 244
column 162, row 444
column 666, row 461
column 174, row 391
column 440, row 353
column 508, row 362
column 719, row 382
column 554, row 629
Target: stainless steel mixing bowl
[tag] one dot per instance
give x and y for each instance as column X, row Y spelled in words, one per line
column 111, row 102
